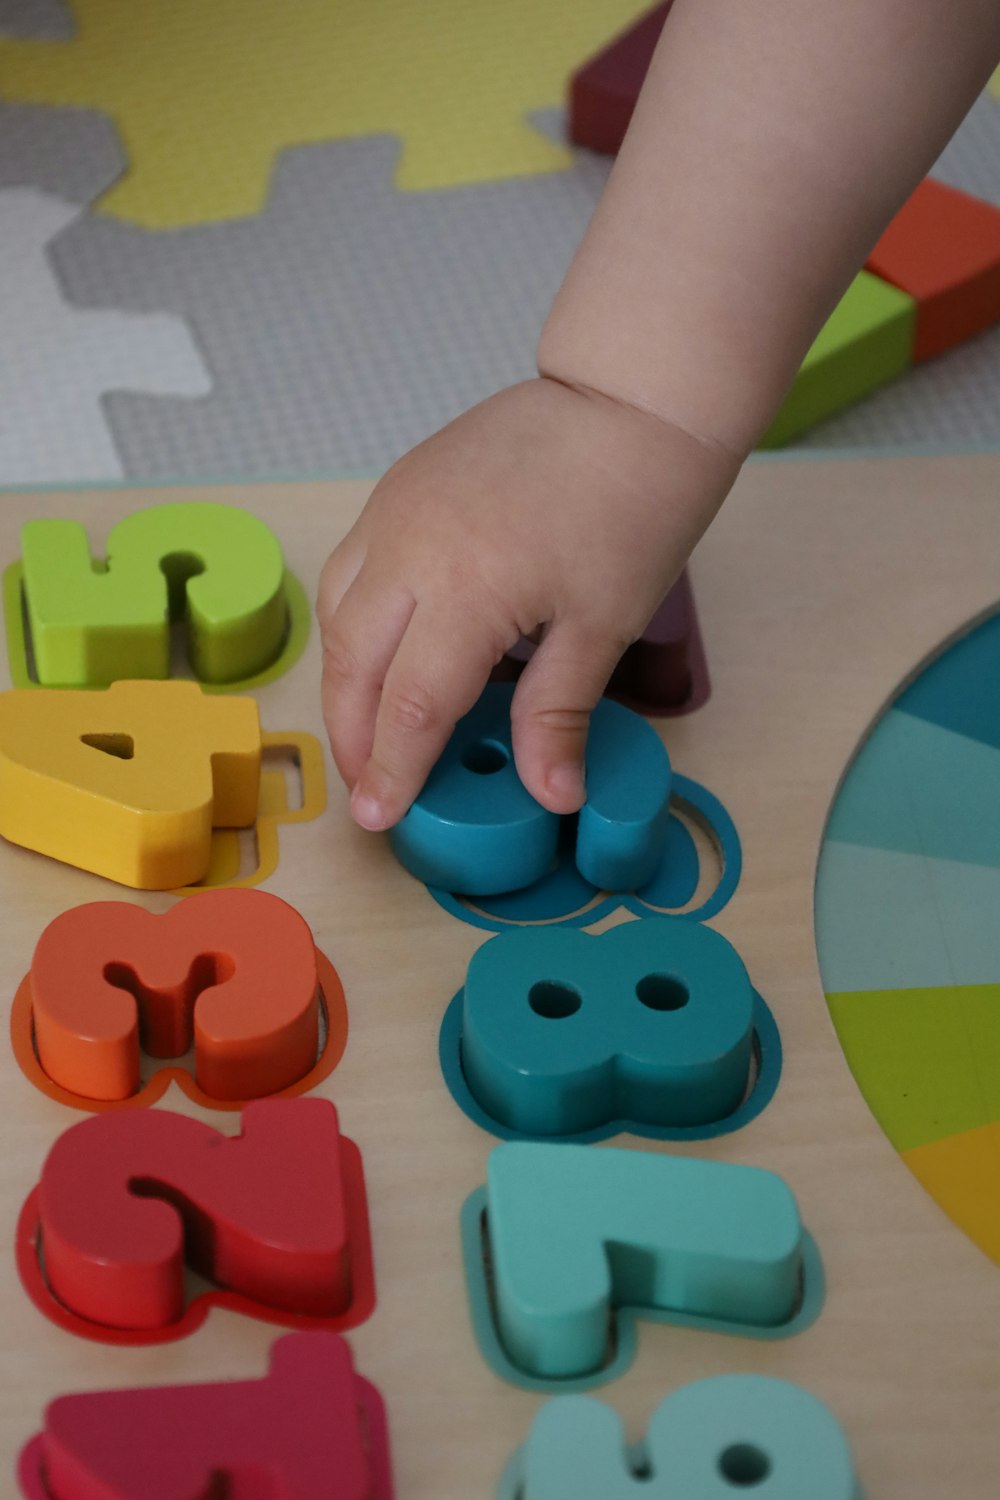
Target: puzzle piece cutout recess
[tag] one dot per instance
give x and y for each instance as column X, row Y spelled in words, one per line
column 454, row 81
column 708, row 1441
column 475, row 828
column 276, row 1218
column 275, row 807
column 310, row 1428
column 130, row 781
column 943, row 249
column 577, row 1235
column 234, row 974
column 651, row 1022
column 218, row 568
column 58, row 361
column 604, row 91
column 664, row 672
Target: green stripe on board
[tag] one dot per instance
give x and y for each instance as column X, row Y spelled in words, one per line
column 926, row 1060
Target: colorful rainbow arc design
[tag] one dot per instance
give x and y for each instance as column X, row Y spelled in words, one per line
column 908, row 928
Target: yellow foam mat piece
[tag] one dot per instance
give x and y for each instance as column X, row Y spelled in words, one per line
column 962, row 1173
column 994, row 84
column 205, row 95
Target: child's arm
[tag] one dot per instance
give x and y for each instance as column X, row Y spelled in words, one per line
column 773, row 141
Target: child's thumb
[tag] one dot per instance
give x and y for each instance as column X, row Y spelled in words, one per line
column 551, row 711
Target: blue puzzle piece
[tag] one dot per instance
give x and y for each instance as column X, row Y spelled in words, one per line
column 475, row 829
column 651, row 1022
column 623, row 823
column 708, row 1441
column 563, row 896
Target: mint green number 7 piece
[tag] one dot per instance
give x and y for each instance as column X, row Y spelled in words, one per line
column 578, row 1237
column 93, row 623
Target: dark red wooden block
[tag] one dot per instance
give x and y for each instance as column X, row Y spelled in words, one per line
column 943, row 248
column 603, row 92
column 663, row 673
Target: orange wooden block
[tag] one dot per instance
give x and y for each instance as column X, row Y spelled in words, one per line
column 232, row 973
column 943, row 248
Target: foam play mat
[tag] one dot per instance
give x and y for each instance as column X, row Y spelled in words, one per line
column 249, row 240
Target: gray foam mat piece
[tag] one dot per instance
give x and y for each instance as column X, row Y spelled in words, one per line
column 46, row 19
column 347, row 321
column 73, row 153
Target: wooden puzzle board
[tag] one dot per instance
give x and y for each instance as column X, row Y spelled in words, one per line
column 821, row 588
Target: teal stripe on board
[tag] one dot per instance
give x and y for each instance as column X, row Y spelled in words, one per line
column 889, row 920
column 921, row 789
column 960, row 690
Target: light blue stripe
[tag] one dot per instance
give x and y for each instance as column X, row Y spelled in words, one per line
column 922, row 789
column 890, row 920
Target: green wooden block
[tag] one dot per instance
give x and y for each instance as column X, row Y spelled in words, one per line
column 713, row 1440
column 867, row 341
column 94, row 623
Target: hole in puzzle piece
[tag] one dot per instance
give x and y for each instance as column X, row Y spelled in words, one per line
column 485, row 757
column 311, row 1426
column 554, row 1001
column 698, row 1056
column 483, row 834
column 121, row 745
column 715, row 1438
column 232, row 977
column 664, row 992
column 276, row 1219
column 744, row 1464
column 664, row 672
column 568, row 1245
column 189, row 589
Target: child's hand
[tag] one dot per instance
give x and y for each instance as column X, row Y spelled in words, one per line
column 545, row 508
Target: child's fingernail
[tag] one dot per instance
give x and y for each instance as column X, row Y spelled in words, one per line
column 566, row 781
column 369, row 813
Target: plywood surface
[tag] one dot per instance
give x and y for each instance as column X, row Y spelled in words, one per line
column 821, row 587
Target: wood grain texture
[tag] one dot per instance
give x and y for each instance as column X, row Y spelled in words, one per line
column 822, row 586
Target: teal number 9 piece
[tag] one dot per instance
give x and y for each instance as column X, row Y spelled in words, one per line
column 476, row 829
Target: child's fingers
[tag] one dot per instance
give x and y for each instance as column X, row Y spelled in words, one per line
column 551, row 711
column 439, row 671
column 360, row 639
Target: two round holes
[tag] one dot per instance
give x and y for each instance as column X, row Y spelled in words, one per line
column 556, row 1001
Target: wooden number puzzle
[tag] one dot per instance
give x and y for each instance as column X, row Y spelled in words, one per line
column 620, row 1157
